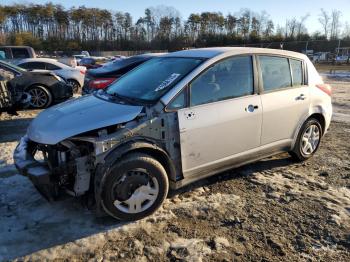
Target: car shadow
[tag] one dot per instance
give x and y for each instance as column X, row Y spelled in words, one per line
column 28, row 223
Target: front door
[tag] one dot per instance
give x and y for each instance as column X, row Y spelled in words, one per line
column 224, row 117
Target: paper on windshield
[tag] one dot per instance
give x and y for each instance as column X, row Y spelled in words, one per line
column 167, row 82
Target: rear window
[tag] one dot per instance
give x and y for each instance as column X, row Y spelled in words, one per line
column 275, row 72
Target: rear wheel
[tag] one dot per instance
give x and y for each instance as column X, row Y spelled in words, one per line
column 40, row 97
column 308, row 140
column 135, row 187
column 75, row 85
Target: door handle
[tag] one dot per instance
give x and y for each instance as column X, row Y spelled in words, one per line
column 251, row 108
column 301, row 97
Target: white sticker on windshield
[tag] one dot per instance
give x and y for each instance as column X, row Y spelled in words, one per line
column 167, row 82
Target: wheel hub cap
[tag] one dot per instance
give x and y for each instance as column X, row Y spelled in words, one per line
column 135, row 192
column 38, row 97
column 310, row 140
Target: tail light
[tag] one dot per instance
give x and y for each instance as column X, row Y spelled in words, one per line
column 101, row 83
column 82, row 72
column 325, row 88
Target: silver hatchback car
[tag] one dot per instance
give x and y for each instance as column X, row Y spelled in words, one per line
column 173, row 120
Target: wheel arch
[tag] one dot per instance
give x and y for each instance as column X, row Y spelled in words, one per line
column 316, row 113
column 320, row 118
column 72, row 79
column 38, row 84
column 145, row 146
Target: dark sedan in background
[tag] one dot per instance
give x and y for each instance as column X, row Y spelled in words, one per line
column 102, row 77
column 44, row 87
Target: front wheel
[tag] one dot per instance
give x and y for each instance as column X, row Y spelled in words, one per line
column 308, row 140
column 135, row 187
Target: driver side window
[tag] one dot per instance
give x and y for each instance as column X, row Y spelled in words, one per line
column 230, row 78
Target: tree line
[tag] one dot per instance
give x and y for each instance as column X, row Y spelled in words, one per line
column 53, row 27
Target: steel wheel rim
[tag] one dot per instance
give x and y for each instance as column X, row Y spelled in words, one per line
column 141, row 199
column 310, row 140
column 39, row 97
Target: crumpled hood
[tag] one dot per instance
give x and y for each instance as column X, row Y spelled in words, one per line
column 77, row 116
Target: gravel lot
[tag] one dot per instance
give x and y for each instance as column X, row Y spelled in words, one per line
column 272, row 210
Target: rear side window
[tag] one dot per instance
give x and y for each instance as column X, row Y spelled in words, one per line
column 230, row 78
column 51, row 66
column 20, row 53
column 275, row 72
column 297, row 71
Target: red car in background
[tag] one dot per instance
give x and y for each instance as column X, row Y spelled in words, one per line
column 105, row 75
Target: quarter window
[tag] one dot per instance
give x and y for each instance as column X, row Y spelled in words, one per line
column 227, row 79
column 297, row 71
column 179, row 101
column 275, row 72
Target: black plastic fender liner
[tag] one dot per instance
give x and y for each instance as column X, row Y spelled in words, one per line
column 144, row 145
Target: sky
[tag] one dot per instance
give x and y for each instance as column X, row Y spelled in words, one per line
column 279, row 10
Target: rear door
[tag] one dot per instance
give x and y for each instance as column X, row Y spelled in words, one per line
column 224, row 117
column 285, row 97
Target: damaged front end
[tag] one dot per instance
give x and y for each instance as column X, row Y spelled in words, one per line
column 52, row 168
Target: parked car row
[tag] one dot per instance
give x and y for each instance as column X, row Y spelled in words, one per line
column 44, row 87
column 73, row 75
column 172, row 120
column 105, row 75
column 79, row 78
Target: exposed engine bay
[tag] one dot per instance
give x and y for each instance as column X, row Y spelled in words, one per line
column 77, row 165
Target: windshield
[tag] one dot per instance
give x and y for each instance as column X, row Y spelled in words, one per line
column 151, row 80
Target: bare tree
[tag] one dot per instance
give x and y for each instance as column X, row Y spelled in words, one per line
column 335, row 24
column 301, row 25
column 325, row 20
column 346, row 31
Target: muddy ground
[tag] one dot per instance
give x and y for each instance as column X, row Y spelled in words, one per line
column 273, row 210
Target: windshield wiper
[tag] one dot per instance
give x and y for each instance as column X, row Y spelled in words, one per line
column 130, row 100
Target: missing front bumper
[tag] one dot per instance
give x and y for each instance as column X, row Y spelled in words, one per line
column 37, row 172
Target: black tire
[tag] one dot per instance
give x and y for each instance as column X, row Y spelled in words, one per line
column 46, row 95
column 297, row 152
column 75, row 85
column 126, row 164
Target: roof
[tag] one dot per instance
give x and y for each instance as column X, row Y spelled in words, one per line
column 47, row 60
column 215, row 51
column 149, row 55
